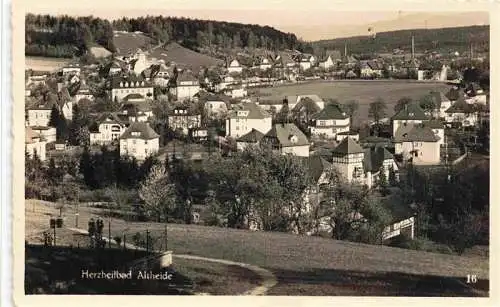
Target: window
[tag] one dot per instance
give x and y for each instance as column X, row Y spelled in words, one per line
column 322, row 123
column 134, row 142
column 146, row 142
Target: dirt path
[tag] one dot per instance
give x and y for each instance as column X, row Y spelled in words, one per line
column 268, row 278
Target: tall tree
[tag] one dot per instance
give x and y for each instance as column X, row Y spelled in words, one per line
column 352, row 107
column 402, row 102
column 377, row 110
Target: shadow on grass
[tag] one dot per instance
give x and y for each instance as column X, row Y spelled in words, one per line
column 59, row 270
column 356, row 283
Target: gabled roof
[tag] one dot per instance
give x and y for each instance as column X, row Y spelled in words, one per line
column 374, row 158
column 317, row 167
column 434, row 124
column 411, row 111
column 348, row 146
column 145, row 131
column 306, row 103
column 133, row 108
column 281, row 134
column 415, row 133
column 460, row 106
column 331, row 111
column 186, row 76
column 133, row 96
column 254, row 111
column 111, row 118
column 253, row 136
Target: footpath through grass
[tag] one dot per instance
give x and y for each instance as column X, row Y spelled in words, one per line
column 299, row 262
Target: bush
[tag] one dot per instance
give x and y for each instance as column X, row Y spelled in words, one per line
column 420, row 244
column 118, row 240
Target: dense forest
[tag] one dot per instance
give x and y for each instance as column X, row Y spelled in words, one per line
column 443, row 40
column 194, row 33
column 66, row 36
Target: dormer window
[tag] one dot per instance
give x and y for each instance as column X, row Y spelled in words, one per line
column 121, row 84
column 343, row 113
column 136, row 133
column 411, row 114
column 293, row 139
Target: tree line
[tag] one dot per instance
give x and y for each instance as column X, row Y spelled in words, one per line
column 445, row 39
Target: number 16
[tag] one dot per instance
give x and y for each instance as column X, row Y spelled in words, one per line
column 471, row 278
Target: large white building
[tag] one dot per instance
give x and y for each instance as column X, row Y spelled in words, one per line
column 234, row 67
column 39, row 115
column 139, row 141
column 245, row 117
column 123, row 86
column 182, row 119
column 410, row 114
column 462, row 112
column 187, row 86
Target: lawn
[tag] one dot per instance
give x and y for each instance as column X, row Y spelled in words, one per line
column 44, row 63
column 341, row 268
column 364, row 91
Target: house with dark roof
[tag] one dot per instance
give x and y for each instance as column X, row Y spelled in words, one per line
column 34, row 143
column 110, row 128
column 462, row 112
column 417, row 143
column 252, row 138
column 139, row 141
column 330, row 121
column 475, row 94
column 245, row 117
column 83, row 92
column 137, row 110
column 124, row 85
column 187, row 86
column 362, row 165
column 287, row 139
column 181, row 118
column 412, row 113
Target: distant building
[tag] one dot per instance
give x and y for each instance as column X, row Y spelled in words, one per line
column 83, row 92
column 330, row 121
column 462, row 112
column 287, row 139
column 245, row 117
column 442, row 104
column 139, row 141
column 39, row 115
column 181, row 118
column 187, row 87
column 234, row 67
column 49, row 134
column 71, row 69
column 34, row 144
column 252, row 138
column 123, row 86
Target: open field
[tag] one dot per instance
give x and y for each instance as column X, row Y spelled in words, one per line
column 299, row 262
column 364, row 91
column 44, row 63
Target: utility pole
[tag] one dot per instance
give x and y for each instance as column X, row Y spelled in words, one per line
column 412, row 47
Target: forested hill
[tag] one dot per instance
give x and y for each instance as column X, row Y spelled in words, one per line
column 67, row 36
column 444, row 39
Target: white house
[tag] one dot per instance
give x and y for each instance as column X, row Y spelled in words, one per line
column 187, row 86
column 417, row 143
column 287, row 139
column 115, row 68
column 110, row 128
column 140, row 63
column 462, row 112
column 123, row 86
column 442, row 102
column 49, row 134
column 71, row 69
column 39, row 115
column 327, row 63
column 362, row 166
column 139, row 141
column 437, row 127
column 293, row 100
column 34, row 143
column 305, row 64
column 245, row 117
column 265, row 63
column 238, row 92
column 411, row 114
column 234, row 67
column 330, row 121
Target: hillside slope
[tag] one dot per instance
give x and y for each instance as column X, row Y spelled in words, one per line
column 444, row 39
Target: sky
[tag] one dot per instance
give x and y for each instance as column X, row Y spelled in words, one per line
column 310, row 20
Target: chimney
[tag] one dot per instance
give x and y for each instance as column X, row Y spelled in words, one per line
column 345, row 50
column 412, row 47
